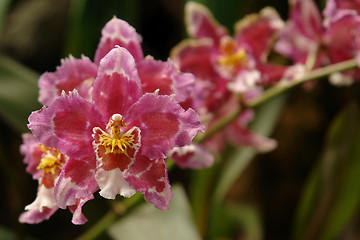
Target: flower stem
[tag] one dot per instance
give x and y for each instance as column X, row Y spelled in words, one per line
column 281, row 87
column 100, row 226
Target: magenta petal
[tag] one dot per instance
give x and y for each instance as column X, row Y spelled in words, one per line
column 150, row 177
column 165, row 77
column 196, row 57
column 342, row 41
column 78, row 216
column 258, row 32
column 73, row 73
column 193, row 156
column 118, row 32
column 307, row 19
column 66, row 125
column 32, row 152
column 117, row 85
column 239, row 135
column 200, row 23
column 333, row 6
column 271, row 73
column 163, row 124
column 76, row 181
column 35, row 216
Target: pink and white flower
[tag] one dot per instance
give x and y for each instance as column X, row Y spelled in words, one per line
column 224, row 66
column 117, row 140
column 309, row 39
column 45, row 165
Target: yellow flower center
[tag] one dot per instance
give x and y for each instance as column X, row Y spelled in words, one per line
column 232, row 55
column 115, row 142
column 50, row 161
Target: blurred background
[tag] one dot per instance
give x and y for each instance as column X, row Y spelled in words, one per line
column 267, row 190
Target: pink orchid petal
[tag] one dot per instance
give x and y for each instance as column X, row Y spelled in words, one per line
column 258, row 32
column 307, row 18
column 72, row 73
column 163, row 123
column 78, row 217
column 35, row 216
column 44, row 199
column 32, row 152
column 193, row 156
column 117, row 85
column 270, row 73
column 333, row 6
column 76, row 181
column 165, row 77
column 246, row 80
column 195, row 56
column 118, row 32
column 239, row 135
column 200, row 23
column 341, row 41
column 294, row 45
column 150, row 177
column 67, row 125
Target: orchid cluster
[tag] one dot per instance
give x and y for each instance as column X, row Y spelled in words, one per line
column 108, row 125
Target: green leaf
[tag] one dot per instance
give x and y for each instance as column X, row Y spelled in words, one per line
column 248, row 219
column 264, row 123
column 147, row 222
column 18, row 93
column 332, row 194
column 4, row 5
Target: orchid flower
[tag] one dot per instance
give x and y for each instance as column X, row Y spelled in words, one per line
column 117, row 141
column 309, row 40
column 154, row 74
column 241, row 60
column 45, row 164
column 223, row 65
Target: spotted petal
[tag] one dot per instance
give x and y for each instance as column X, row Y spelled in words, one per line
column 118, row 32
column 76, row 181
column 149, row 176
column 67, row 125
column 71, row 74
column 200, row 23
column 117, row 85
column 193, row 156
column 258, row 31
column 196, row 57
column 166, row 77
column 163, row 123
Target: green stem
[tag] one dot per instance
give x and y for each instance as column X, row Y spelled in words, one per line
column 281, row 87
column 99, row 227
